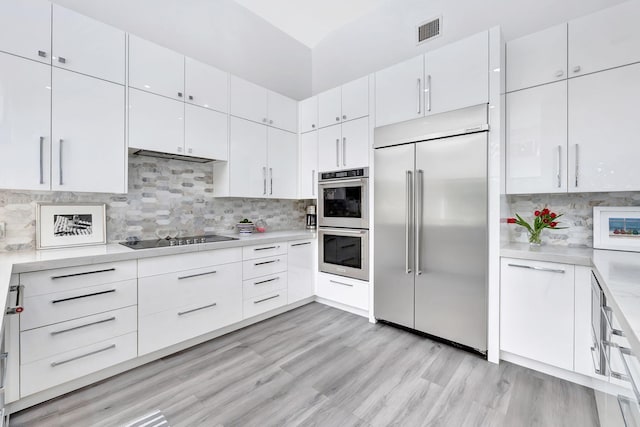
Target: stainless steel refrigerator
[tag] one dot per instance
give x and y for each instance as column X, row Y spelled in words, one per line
column 430, row 225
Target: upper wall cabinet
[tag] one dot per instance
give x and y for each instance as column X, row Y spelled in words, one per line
column 87, row 46
column 399, row 92
column 206, row 86
column 25, row 28
column 347, row 102
column 155, row 69
column 283, row 112
column 537, row 58
column 605, row 39
column 308, row 114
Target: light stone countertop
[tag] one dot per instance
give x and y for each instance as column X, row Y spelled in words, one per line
column 26, row 261
column 548, row 253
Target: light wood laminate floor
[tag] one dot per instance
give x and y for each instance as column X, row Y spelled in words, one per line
column 318, row 366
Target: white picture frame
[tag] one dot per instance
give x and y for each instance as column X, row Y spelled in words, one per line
column 616, row 228
column 70, row 224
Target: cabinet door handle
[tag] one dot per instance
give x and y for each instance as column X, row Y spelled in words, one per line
column 338, row 152
column 262, row 282
column 559, row 73
column 270, row 122
column 337, row 118
column 62, row 60
column 532, row 267
column 344, row 151
column 266, row 299
column 419, row 202
column 75, row 328
column 197, row 275
column 577, row 69
column 56, row 301
column 614, row 374
column 62, row 362
column 341, row 283
column 266, row 262
column 270, row 181
column 313, row 182
column 267, row 247
column 344, row 117
column 60, row 159
column 42, row 54
column 19, row 307
column 419, row 110
column 42, row 160
column 182, row 313
column 301, row 244
column 179, row 94
column 559, row 167
column 606, row 311
column 407, row 222
column 577, row 172
column 190, row 97
column 428, row 90
column 83, row 273
column 264, row 181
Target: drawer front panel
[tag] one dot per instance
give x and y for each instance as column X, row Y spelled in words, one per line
column 66, row 279
column 263, row 303
column 193, row 260
column 51, row 371
column 263, row 266
column 173, row 290
column 353, row 293
column 58, row 307
column 261, row 251
column 39, row 343
column 163, row 329
column 264, row 285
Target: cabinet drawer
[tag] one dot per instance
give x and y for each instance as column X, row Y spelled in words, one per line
column 174, row 290
column 261, row 251
column 163, row 329
column 264, row 285
column 354, row 293
column 263, row 303
column 172, row 263
column 263, row 266
column 39, row 343
column 51, row 371
column 57, row 307
column 65, row 279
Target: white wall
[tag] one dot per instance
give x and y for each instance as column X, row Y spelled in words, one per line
column 218, row 32
column 387, row 35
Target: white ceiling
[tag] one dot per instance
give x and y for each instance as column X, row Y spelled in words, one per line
column 310, row 21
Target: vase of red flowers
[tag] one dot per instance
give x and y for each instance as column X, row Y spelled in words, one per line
column 541, row 220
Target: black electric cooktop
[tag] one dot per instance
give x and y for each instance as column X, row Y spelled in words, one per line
column 179, row 241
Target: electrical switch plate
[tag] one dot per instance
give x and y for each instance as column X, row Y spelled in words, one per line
column 3, row 231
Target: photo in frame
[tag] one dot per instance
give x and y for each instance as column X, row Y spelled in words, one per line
column 65, row 225
column 616, row 228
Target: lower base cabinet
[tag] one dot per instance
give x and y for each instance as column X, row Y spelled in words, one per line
column 343, row 290
column 302, row 259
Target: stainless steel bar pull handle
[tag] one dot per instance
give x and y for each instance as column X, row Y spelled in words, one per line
column 266, row 262
column 75, row 328
column 338, row 152
column 407, row 222
column 84, row 273
column 197, row 275
column 94, row 294
column 271, row 181
column 262, row 282
column 42, row 160
column 428, row 90
column 559, row 167
column 577, row 164
column 62, row 362
column 266, row 248
column 419, row 201
column 533, row 267
column 60, row 160
column 313, row 182
column 419, row 109
column 301, row 244
column 264, row 180
column 344, row 151
column 266, row 299
column 607, row 312
column 182, row 313
column 341, row 283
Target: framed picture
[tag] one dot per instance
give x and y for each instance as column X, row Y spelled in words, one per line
column 616, row 228
column 64, row 225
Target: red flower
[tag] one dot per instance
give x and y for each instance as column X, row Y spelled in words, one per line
column 511, row 220
column 545, row 211
column 546, row 220
column 553, row 224
column 537, row 213
column 553, row 215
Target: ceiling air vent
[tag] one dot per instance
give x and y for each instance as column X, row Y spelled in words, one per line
column 429, row 30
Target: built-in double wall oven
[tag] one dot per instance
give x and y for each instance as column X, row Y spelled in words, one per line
column 343, row 220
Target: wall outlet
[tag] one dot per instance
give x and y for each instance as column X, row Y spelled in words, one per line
column 3, row 230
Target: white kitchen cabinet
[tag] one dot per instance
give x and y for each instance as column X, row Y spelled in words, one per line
column 282, row 112
column 205, row 133
column 155, row 69
column 87, row 46
column 537, row 311
column 301, row 258
column 330, row 107
column 282, row 157
column 25, row 124
column 344, row 146
column 457, row 75
column 347, row 102
column 344, row 291
column 604, row 39
column 583, row 336
column 308, row 161
column 537, row 58
column 399, row 94
column 156, row 123
column 308, row 114
column 205, row 85
column 536, row 138
column 247, row 158
column 603, row 131
column 88, row 133
column 248, row 100
column 25, row 29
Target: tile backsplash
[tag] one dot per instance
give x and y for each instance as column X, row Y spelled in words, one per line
column 163, row 194
column 577, row 210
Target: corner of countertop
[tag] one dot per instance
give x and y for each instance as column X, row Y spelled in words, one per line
column 548, row 253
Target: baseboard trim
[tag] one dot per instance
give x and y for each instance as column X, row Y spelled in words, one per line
column 343, row 307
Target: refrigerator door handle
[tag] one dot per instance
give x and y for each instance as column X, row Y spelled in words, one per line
column 407, row 223
column 418, row 198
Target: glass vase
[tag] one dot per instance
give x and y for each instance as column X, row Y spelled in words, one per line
column 534, row 239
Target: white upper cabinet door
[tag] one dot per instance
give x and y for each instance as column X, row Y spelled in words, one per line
column 537, row 58
column 205, row 133
column 156, row 123
column 25, row 28
column 206, row 86
column 248, row 100
column 25, row 114
column 155, row 69
column 330, row 107
column 457, row 75
column 603, row 131
column 87, row 46
column 247, row 159
column 282, row 157
column 537, row 140
column 605, row 39
column 283, row 112
column 308, row 177
column 308, row 114
column 89, row 151
column 329, row 147
column 355, row 99
column 399, row 92
column 355, row 144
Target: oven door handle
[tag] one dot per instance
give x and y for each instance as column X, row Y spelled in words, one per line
column 340, row 181
column 344, row 230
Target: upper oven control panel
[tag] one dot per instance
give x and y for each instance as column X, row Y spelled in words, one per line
column 352, row 173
